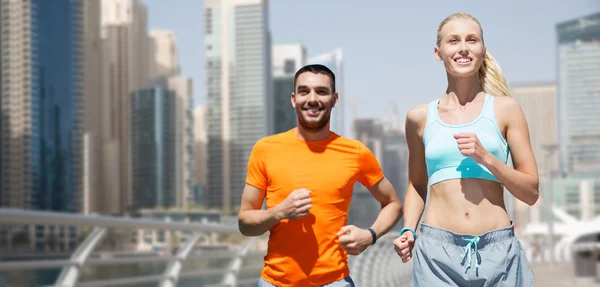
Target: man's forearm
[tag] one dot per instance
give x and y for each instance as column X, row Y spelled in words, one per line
column 387, row 218
column 414, row 204
column 257, row 222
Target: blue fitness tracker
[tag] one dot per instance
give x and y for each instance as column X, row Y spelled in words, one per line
column 374, row 235
column 409, row 229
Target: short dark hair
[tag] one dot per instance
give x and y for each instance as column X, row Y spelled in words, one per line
column 316, row 69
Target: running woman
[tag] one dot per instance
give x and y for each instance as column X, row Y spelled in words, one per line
column 459, row 148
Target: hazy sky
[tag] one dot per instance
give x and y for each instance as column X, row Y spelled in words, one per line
column 388, row 45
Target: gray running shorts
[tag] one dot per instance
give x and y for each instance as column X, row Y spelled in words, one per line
column 443, row 258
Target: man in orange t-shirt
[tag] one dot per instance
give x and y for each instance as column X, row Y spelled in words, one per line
column 307, row 176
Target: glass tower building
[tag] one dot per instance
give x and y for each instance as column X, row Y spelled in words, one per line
column 153, row 139
column 41, row 105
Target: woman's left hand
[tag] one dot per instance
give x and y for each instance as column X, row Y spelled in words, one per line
column 469, row 145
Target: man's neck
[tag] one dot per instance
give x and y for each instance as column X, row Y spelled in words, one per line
column 307, row 135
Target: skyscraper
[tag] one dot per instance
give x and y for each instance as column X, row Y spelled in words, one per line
column 95, row 68
column 185, row 165
column 287, row 58
column 164, row 69
column 238, row 71
column 578, row 94
column 124, row 28
column 41, row 105
column 364, row 208
column 20, row 176
column 153, row 139
column 388, row 143
column 538, row 101
column 164, row 53
column 334, row 61
column 394, row 161
column 200, row 154
column 41, row 54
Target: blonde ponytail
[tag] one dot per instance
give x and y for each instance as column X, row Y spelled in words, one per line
column 491, row 77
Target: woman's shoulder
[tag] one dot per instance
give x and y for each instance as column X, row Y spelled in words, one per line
column 507, row 109
column 417, row 116
column 506, row 103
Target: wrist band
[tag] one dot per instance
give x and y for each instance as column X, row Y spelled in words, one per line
column 373, row 234
column 408, row 229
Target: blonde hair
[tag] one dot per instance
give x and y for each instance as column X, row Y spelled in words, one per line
column 490, row 75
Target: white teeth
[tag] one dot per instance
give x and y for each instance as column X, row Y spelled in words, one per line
column 463, row 60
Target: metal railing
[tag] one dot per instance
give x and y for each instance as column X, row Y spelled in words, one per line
column 72, row 267
column 377, row 266
column 380, row 266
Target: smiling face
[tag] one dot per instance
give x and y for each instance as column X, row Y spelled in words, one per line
column 460, row 46
column 313, row 100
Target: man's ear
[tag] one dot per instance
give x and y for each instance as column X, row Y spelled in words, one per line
column 293, row 100
column 335, row 99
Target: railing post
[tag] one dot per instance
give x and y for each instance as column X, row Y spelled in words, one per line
column 69, row 275
column 173, row 270
column 230, row 278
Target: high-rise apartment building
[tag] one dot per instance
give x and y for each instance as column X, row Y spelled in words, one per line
column 183, row 88
column 41, row 122
column 95, row 75
column 41, row 108
column 364, row 209
column 164, row 69
column 164, row 53
column 200, row 154
column 579, row 94
column 153, row 138
column 124, row 28
column 388, row 143
column 238, row 70
column 538, row 102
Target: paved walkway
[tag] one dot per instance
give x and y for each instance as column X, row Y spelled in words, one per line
column 558, row 275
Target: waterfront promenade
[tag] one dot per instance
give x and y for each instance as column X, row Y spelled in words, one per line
column 559, row 275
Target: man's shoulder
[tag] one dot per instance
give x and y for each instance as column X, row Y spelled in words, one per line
column 273, row 140
column 353, row 144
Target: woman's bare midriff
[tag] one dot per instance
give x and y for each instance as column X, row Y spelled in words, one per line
column 467, row 206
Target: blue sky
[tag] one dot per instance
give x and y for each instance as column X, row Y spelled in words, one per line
column 388, row 45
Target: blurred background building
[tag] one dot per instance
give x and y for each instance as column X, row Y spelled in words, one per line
column 578, row 73
column 387, row 142
column 239, row 94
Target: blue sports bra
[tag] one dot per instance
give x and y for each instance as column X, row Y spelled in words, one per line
column 444, row 160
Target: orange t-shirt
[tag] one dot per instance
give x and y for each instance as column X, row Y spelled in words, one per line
column 306, row 252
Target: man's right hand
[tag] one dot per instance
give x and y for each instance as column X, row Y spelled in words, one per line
column 404, row 246
column 296, row 205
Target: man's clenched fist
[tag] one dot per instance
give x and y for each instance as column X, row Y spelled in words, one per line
column 296, row 205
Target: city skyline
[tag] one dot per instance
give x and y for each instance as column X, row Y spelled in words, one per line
column 122, row 25
column 522, row 39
